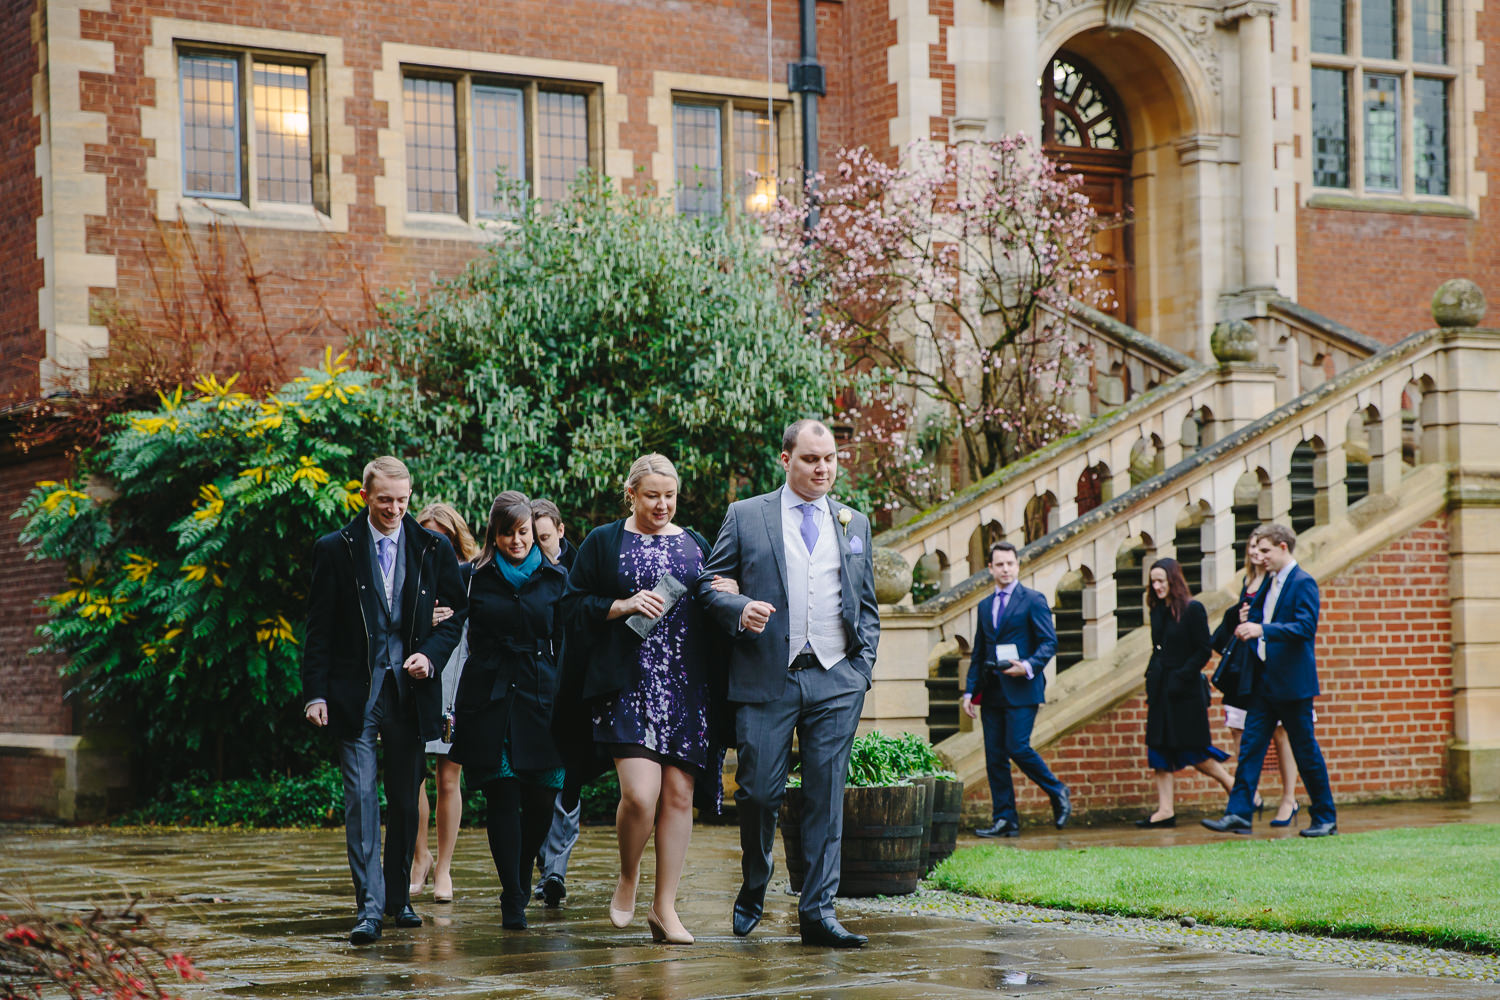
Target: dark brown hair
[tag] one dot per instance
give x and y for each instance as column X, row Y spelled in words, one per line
column 1177, row 588
column 509, row 510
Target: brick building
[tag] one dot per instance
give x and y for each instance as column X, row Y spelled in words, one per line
column 1330, row 152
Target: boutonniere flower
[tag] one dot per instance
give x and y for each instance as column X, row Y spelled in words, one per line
column 845, row 516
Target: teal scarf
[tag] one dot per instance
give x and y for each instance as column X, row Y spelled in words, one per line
column 519, row 573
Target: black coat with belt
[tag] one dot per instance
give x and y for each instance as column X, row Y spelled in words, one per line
column 1176, row 709
column 336, row 657
column 510, row 680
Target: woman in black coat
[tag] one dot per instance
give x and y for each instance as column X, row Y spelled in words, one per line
column 1177, row 734
column 652, row 700
column 503, row 708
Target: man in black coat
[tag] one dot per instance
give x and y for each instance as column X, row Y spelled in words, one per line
column 370, row 666
column 1013, row 643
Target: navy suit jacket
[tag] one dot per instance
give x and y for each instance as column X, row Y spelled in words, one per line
column 1026, row 624
column 1291, row 671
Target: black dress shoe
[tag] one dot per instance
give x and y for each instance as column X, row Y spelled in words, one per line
column 1319, row 830
column 552, row 891
column 1228, row 823
column 408, row 917
column 1062, row 807
column 748, row 906
column 1149, row 823
column 367, row 931
column 828, row 933
column 1000, row 828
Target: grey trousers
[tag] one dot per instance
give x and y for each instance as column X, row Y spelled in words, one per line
column 824, row 712
column 379, row 890
column 557, row 849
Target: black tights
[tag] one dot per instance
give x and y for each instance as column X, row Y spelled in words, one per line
column 518, row 814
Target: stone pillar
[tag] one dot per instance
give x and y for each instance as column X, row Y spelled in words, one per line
column 1019, row 70
column 1219, row 564
column 1257, row 141
column 1099, row 627
column 1469, row 379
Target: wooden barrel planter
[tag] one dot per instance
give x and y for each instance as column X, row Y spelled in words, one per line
column 882, row 848
column 946, row 810
column 929, row 783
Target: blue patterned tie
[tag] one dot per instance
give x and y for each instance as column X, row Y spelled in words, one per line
column 385, row 551
column 809, row 525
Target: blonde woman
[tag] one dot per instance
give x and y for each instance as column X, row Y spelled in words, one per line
column 649, row 696
column 446, row 521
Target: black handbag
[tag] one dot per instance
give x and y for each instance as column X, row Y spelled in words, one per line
column 1227, row 674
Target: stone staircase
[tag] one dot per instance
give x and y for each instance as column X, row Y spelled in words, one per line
column 1337, row 442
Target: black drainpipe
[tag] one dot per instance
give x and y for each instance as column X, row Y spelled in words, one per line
column 805, row 77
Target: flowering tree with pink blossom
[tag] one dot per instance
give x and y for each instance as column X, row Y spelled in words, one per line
column 943, row 280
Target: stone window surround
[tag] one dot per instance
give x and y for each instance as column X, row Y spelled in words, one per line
column 1466, row 182
column 607, row 108
column 725, row 91
column 786, row 145
column 162, row 124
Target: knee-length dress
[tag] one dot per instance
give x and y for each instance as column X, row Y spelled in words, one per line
column 1177, row 734
column 665, row 706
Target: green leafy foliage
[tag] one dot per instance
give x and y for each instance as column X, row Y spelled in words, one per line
column 592, row 332
column 187, row 556
column 315, row 799
column 876, row 760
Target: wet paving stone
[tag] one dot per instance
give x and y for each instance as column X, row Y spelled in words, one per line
column 267, row 915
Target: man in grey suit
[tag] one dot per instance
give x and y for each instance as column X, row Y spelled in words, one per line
column 805, row 627
column 371, row 666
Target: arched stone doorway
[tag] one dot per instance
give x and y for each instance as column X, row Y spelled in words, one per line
column 1084, row 129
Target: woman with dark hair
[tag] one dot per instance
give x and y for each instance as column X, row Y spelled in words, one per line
column 649, row 690
column 503, row 708
column 446, row 521
column 1177, row 734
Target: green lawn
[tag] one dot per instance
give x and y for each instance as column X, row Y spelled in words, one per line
column 1434, row 886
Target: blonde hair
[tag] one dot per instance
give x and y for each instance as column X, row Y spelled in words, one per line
column 387, row 467
column 451, row 523
column 649, row 465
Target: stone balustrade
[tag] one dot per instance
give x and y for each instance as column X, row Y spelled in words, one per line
column 1306, row 348
column 1399, row 408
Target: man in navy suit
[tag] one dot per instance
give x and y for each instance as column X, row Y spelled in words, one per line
column 1286, row 682
column 1010, row 689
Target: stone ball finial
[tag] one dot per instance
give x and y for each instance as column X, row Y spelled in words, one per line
column 892, row 575
column 1458, row 302
column 1234, row 340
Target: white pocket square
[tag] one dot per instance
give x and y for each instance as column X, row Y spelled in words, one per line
column 856, row 545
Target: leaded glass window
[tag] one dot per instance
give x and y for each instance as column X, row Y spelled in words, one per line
column 1330, row 88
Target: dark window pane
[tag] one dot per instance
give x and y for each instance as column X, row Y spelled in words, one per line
column 1330, row 121
column 283, row 133
column 755, row 170
column 210, row 126
column 562, row 140
column 431, row 146
column 1382, row 132
column 1330, row 19
column 1377, row 24
column 698, row 147
column 1430, row 135
column 499, row 143
column 1429, row 31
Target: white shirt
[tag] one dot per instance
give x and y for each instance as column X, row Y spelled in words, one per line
column 814, row 586
column 388, row 579
column 1277, row 582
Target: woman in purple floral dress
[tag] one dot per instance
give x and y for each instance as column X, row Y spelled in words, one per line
column 652, row 707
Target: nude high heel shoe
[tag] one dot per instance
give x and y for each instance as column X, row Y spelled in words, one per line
column 619, row 917
column 659, row 932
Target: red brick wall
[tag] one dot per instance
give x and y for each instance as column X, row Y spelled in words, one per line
column 20, row 204
column 30, row 689
column 1343, row 255
column 1383, row 724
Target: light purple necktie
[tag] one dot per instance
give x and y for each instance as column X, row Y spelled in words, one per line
column 385, row 551
column 998, row 609
column 809, row 525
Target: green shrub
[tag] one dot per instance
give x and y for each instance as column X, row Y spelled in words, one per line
column 594, row 331
column 186, row 537
column 315, row 799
